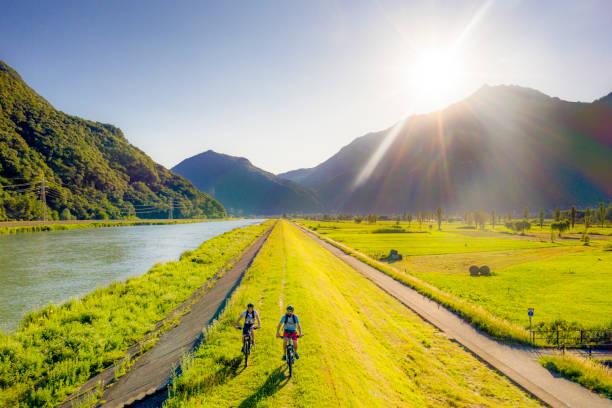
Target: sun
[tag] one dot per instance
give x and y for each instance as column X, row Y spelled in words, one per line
column 434, row 74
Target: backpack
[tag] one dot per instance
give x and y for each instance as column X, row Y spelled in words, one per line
column 246, row 316
column 287, row 317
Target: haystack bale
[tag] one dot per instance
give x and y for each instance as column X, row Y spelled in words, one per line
column 485, row 270
column 474, row 270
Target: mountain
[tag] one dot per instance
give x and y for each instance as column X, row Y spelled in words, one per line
column 90, row 169
column 504, row 147
column 244, row 188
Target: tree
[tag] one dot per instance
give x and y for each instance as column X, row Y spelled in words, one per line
column 573, row 215
column 602, row 213
column 509, row 217
column 526, row 214
column 65, row 214
column 469, row 218
column 560, row 226
column 409, row 218
column 557, row 214
column 541, row 218
column 420, row 220
column 587, row 218
column 518, row 226
column 439, row 218
column 493, row 219
column 480, row 218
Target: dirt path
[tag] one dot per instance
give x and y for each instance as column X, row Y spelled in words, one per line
column 520, row 364
column 146, row 383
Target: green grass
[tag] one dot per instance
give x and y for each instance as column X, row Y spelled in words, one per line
column 59, row 347
column 561, row 280
column 588, row 373
column 574, row 287
column 363, row 238
column 361, row 346
column 95, row 224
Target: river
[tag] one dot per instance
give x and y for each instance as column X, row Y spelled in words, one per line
column 42, row 267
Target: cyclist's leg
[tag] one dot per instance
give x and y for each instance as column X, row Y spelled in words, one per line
column 252, row 336
column 295, row 344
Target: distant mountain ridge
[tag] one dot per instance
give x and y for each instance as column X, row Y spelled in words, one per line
column 90, row 169
column 504, row 147
column 243, row 188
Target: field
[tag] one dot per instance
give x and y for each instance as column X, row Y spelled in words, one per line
column 561, row 280
column 59, row 347
column 361, row 346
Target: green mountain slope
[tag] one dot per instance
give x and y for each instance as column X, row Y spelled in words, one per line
column 504, row 147
column 90, row 169
column 244, row 188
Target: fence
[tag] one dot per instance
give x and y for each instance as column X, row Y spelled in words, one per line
column 585, row 338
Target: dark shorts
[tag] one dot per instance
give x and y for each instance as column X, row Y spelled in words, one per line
column 292, row 335
column 246, row 329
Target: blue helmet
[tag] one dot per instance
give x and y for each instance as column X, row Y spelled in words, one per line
column 290, row 308
column 250, row 305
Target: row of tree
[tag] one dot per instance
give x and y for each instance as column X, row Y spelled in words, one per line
column 562, row 220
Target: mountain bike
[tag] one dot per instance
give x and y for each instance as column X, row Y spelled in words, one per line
column 246, row 346
column 290, row 356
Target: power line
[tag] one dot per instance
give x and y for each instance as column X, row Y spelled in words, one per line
column 17, row 185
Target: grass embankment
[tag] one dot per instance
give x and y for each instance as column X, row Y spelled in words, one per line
column 93, row 224
column 361, row 346
column 588, row 373
column 560, row 280
column 59, row 347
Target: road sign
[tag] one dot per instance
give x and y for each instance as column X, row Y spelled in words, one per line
column 530, row 312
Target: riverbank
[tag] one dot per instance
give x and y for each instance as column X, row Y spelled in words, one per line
column 16, row 227
column 59, row 347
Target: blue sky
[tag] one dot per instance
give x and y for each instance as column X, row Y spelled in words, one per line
column 286, row 84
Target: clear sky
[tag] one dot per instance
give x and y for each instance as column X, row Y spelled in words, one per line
column 288, row 83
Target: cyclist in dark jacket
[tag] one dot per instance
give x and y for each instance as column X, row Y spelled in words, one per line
column 249, row 322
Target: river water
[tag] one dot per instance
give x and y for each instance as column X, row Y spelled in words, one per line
column 41, row 267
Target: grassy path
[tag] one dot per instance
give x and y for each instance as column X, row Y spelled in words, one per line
column 362, row 347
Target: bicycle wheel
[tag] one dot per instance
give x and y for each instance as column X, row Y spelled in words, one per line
column 290, row 361
column 247, row 351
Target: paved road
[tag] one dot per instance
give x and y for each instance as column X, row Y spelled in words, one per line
column 520, row 364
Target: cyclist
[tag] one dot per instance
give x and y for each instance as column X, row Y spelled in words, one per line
column 290, row 331
column 249, row 321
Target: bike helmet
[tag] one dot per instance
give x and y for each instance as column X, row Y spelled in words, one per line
column 290, row 308
column 250, row 305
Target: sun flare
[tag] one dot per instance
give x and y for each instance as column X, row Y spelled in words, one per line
column 434, row 74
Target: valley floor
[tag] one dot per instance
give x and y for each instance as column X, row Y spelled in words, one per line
column 362, row 347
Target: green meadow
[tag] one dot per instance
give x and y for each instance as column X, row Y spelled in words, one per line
column 561, row 279
column 362, row 348
column 59, row 347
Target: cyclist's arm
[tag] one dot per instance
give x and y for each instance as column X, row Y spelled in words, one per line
column 238, row 321
column 278, row 329
column 258, row 321
column 299, row 329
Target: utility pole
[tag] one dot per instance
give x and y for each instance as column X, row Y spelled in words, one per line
column 43, row 199
column 171, row 207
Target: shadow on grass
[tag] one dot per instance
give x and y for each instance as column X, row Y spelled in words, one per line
column 276, row 380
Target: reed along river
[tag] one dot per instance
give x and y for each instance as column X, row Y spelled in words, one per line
column 41, row 267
